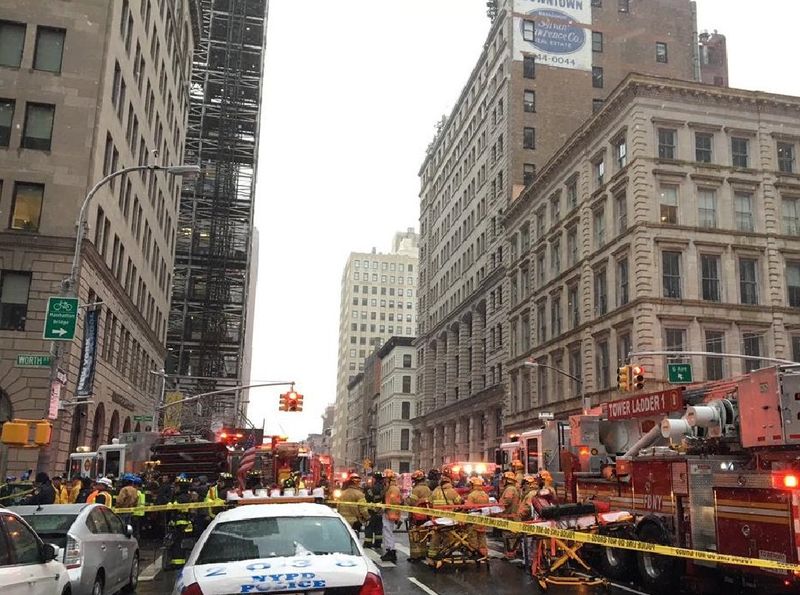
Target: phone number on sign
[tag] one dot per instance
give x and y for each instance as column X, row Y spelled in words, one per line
column 555, row 60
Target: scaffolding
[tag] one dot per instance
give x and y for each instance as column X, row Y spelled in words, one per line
column 209, row 316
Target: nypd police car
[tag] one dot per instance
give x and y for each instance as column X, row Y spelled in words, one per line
column 279, row 548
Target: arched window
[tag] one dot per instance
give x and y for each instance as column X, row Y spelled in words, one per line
column 6, row 412
column 126, row 427
column 138, row 427
column 113, row 427
column 98, row 425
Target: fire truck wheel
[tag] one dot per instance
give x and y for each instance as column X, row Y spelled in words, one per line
column 616, row 563
column 658, row 573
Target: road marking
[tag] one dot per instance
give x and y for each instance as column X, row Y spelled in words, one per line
column 155, row 568
column 615, row 585
column 375, row 557
column 425, row 588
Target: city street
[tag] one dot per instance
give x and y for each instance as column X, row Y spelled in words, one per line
column 405, row 578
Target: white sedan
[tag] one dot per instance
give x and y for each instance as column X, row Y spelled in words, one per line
column 262, row 548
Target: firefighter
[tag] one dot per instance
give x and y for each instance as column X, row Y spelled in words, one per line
column 518, row 468
column 180, row 528
column 355, row 514
column 224, row 485
column 373, row 531
column 101, row 493
column 509, row 500
column 62, row 494
column 444, row 495
column 390, row 517
column 75, row 489
column 420, row 497
column 477, row 534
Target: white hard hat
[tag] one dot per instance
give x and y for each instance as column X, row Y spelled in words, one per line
column 105, row 481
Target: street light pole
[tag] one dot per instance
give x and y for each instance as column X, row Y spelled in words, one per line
column 584, row 399
column 69, row 289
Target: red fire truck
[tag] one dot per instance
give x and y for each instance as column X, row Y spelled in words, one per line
column 714, row 467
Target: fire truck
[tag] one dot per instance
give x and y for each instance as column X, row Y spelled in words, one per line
column 713, row 467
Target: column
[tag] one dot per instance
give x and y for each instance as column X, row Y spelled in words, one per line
column 452, row 370
column 464, row 364
column 478, row 332
column 441, row 371
column 429, row 379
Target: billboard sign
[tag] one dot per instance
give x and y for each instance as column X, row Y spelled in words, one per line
column 556, row 33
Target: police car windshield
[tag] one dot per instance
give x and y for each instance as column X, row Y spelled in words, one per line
column 274, row 537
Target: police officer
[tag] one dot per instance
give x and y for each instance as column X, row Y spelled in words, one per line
column 373, row 531
column 420, row 497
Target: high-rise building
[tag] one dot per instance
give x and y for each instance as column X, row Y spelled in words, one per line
column 545, row 68
column 688, row 242
column 87, row 89
column 378, row 300
column 210, row 316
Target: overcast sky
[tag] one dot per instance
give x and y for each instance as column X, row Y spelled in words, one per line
column 352, row 90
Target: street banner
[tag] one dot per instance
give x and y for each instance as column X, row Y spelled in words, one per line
column 173, row 413
column 556, row 33
column 88, row 355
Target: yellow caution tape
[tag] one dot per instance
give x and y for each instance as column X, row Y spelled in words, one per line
column 593, row 538
column 172, row 507
column 17, row 495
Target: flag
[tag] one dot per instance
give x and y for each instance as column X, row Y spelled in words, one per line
column 248, row 459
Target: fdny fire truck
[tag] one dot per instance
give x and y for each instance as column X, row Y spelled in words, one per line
column 713, row 467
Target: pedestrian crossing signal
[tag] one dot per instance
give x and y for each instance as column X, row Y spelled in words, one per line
column 637, row 377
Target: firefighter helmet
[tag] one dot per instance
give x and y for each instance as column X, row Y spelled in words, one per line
column 476, row 481
column 389, row 474
column 418, row 475
column 510, row 476
column 531, row 479
column 517, row 464
column 182, row 480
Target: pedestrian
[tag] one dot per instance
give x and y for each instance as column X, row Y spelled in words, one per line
column 43, row 492
column 86, row 489
column 353, row 503
column 392, row 497
column 62, row 494
column 419, row 497
column 101, row 492
column 373, row 531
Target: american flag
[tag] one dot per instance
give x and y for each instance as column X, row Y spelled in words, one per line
column 248, row 459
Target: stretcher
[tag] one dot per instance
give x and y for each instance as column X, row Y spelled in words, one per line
column 451, row 543
column 558, row 561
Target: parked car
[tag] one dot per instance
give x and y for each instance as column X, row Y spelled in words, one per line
column 28, row 566
column 260, row 548
column 100, row 552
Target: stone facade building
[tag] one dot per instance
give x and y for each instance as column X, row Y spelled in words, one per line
column 513, row 114
column 669, row 221
column 378, row 301
column 89, row 87
column 396, row 406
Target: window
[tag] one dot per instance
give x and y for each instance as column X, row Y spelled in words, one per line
column 661, row 52
column 405, row 410
column 555, row 315
column 675, row 340
column 529, row 101
column 27, row 207
column 12, row 40
column 528, row 30
column 791, row 216
column 576, row 368
column 786, row 157
column 407, row 360
column 623, row 5
column 796, row 348
column 541, row 318
column 600, row 292
column 24, row 543
column 529, row 67
column 597, row 77
column 602, row 363
column 709, row 277
column 624, row 345
column 597, row 105
column 707, row 208
column 671, row 274
column 668, row 202
column 748, row 280
column 555, row 257
column 739, row 152
column 597, row 41
column 404, row 439
column 621, row 152
column 715, row 342
column 529, row 138
column 752, row 344
column 572, row 246
column 49, row 49
column 599, row 228
column 703, row 144
column 406, row 384
column 572, row 194
column 622, row 282
column 38, row 126
column 574, row 306
column 6, row 119
column 14, row 287
column 621, row 212
column 666, row 143
column 528, row 173
column 743, row 211
column 541, row 383
column 793, row 283
column 600, row 172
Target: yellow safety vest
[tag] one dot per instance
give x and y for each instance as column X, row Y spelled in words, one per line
column 141, row 502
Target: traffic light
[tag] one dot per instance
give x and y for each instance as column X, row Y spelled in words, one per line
column 15, row 433
column 624, row 378
column 291, row 401
column 299, row 402
column 282, row 404
column 637, row 377
column 41, row 436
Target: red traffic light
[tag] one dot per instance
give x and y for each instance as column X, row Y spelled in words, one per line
column 637, row 377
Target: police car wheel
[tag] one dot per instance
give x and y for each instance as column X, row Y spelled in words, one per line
column 133, row 579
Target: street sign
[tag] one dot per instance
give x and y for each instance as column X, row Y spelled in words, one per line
column 546, row 415
column 145, row 418
column 32, row 360
column 679, row 373
column 650, row 405
column 61, row 376
column 59, row 321
column 55, row 400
